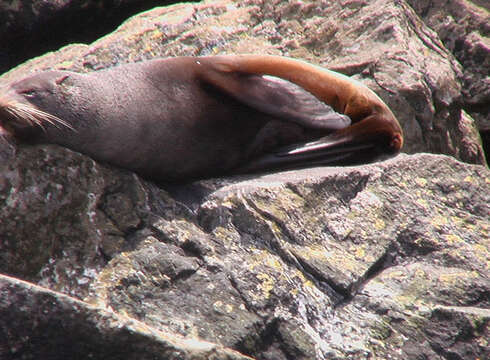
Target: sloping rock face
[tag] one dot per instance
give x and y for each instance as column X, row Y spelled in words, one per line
column 388, row 260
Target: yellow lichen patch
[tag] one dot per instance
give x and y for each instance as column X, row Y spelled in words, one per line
column 422, row 202
column 439, row 221
column 452, row 239
column 403, row 185
column 359, row 252
column 65, row 65
column 148, row 49
column 308, row 284
column 341, row 260
column 457, row 277
column 294, row 291
column 404, row 299
column 224, row 235
column 482, row 253
column 313, row 252
column 266, row 285
column 228, row 202
column 469, row 179
column 421, row 274
column 263, row 258
column 421, row 181
column 217, row 305
column 157, row 34
column 119, row 268
column 397, row 274
column 379, row 224
column 461, row 222
column 456, row 253
column 304, row 281
column 220, row 307
column 274, row 263
column 418, row 241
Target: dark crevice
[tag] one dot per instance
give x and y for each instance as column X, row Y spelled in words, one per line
column 104, row 256
column 235, row 286
column 34, row 33
column 268, row 216
column 333, row 290
column 183, row 275
column 344, row 292
column 260, row 341
column 351, row 190
column 265, row 335
column 386, row 261
column 190, row 248
column 160, row 235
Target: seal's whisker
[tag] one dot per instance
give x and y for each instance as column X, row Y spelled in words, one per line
column 33, row 116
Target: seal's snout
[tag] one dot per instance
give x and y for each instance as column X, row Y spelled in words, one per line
column 8, row 118
column 17, row 114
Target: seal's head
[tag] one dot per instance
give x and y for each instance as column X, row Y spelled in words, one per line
column 19, row 105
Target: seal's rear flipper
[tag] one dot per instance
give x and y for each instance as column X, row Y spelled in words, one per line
column 329, row 150
column 279, row 98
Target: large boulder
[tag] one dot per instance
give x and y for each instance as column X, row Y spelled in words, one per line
column 464, row 28
column 319, row 263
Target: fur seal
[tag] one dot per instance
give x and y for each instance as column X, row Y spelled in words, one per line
column 182, row 118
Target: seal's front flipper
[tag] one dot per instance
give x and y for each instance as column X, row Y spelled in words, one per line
column 279, row 98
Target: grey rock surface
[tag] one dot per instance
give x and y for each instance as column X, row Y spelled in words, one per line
column 43, row 324
column 377, row 260
column 388, row 260
column 464, row 28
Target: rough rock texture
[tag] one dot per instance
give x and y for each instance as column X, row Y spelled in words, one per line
column 31, row 28
column 464, row 28
column 43, row 324
column 389, row 260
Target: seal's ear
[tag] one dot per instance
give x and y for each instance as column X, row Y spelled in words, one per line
column 280, row 98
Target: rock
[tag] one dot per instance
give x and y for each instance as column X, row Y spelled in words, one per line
column 376, row 260
column 42, row 324
column 464, row 28
column 388, row 260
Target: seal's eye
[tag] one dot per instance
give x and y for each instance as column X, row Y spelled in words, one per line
column 28, row 93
